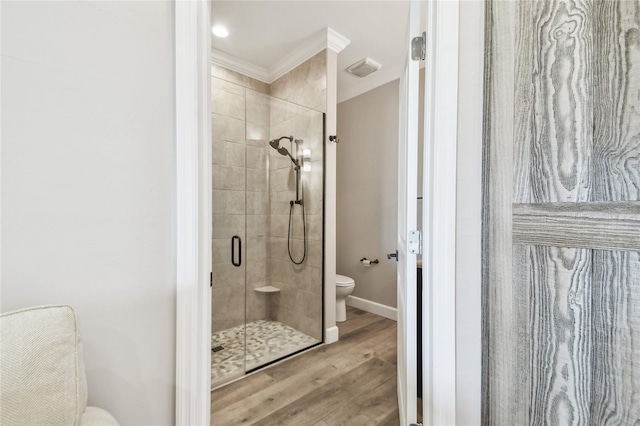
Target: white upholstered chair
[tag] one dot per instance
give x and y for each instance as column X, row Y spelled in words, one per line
column 42, row 377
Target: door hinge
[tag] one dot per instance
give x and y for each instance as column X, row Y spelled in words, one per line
column 414, row 242
column 210, row 279
column 419, row 47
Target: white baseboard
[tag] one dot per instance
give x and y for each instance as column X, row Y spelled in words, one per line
column 373, row 307
column 331, row 335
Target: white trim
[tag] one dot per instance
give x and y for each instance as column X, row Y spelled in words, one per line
column 336, row 41
column 331, row 335
column 326, row 38
column 373, row 307
column 193, row 212
column 370, row 82
column 238, row 65
column 439, row 180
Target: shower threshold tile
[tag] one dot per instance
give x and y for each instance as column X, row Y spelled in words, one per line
column 266, row 341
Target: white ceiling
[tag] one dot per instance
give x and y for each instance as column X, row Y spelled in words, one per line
column 264, row 32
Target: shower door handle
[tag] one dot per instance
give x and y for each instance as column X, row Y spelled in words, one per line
column 233, row 251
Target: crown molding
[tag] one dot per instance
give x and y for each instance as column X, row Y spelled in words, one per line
column 369, row 82
column 336, row 41
column 316, row 44
column 327, row 38
column 236, row 64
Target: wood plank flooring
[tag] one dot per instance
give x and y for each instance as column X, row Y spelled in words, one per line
column 351, row 382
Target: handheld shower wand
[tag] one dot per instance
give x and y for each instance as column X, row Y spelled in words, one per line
column 275, row 144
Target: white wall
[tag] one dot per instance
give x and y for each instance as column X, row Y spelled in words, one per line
column 88, row 184
column 367, row 185
column 469, row 210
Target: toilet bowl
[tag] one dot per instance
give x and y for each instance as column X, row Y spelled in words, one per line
column 344, row 287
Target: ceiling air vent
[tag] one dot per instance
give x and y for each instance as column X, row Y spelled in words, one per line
column 364, row 67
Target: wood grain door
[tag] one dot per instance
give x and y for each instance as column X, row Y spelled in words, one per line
column 561, row 220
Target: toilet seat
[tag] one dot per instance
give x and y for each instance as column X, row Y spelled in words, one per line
column 344, row 281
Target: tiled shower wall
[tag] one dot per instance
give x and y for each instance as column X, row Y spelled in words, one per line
column 245, row 118
column 299, row 303
column 240, row 128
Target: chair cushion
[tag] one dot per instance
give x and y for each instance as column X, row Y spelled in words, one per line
column 94, row 416
column 40, row 380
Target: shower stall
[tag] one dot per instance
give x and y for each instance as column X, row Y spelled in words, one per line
column 268, row 202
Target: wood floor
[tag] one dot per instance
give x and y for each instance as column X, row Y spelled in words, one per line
column 351, row 382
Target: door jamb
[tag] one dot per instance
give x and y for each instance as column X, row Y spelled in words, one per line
column 193, row 212
column 439, row 213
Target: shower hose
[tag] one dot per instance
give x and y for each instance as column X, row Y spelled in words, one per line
column 304, row 227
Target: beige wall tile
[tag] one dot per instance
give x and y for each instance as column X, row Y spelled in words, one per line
column 227, row 104
column 277, row 161
column 257, row 158
column 257, row 225
column 280, row 270
column 235, row 154
column 221, row 249
column 237, row 78
column 236, row 202
column 257, row 203
column 305, row 84
column 224, row 321
column 312, row 189
column 282, row 179
column 228, row 128
column 257, row 271
column 279, row 224
column 226, row 274
column 225, row 177
column 258, row 108
column 258, row 305
column 314, row 257
column 256, row 180
column 314, row 224
column 219, row 84
column 226, row 225
column 219, row 201
column 280, row 201
column 278, row 247
column 219, row 152
column 257, row 134
column 256, row 249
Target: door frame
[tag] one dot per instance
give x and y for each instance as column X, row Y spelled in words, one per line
column 439, row 213
column 193, row 212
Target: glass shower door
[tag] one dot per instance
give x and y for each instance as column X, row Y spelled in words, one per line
column 284, row 263
column 229, row 234
column 268, row 189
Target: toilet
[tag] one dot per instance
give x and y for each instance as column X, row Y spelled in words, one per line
column 344, row 287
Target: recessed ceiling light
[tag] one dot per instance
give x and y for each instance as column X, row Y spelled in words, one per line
column 219, row 31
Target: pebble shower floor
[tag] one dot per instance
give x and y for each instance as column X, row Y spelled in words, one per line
column 266, row 342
